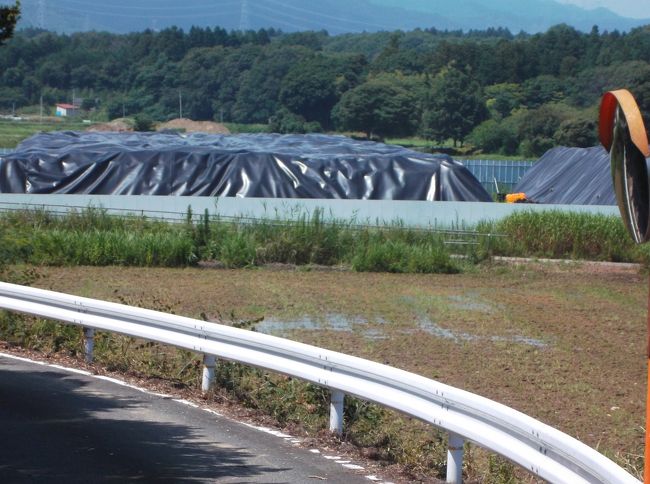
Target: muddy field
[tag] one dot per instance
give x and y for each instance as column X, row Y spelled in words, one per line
column 563, row 343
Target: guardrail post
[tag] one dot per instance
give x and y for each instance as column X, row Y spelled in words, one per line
column 455, row 459
column 336, row 411
column 209, row 362
column 89, row 344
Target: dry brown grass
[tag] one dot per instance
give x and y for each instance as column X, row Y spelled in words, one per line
column 565, row 344
column 194, row 126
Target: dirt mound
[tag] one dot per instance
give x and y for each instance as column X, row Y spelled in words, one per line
column 190, row 126
column 120, row 124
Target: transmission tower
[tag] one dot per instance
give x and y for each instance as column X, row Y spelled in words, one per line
column 244, row 20
column 40, row 14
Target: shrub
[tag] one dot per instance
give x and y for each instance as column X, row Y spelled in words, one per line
column 237, row 250
column 143, row 123
column 562, row 235
column 379, row 255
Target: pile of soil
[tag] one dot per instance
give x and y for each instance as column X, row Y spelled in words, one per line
column 190, row 126
column 119, row 124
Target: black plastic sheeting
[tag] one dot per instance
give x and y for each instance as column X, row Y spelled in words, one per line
column 572, row 176
column 252, row 165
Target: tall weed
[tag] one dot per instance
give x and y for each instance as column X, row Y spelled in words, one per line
column 376, row 253
column 558, row 234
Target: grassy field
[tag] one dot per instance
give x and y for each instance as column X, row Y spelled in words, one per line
column 92, row 237
column 236, row 128
column 13, row 132
column 563, row 343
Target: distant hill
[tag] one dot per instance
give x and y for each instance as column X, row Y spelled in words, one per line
column 527, row 15
column 335, row 16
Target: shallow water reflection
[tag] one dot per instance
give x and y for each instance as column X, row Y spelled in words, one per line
column 370, row 330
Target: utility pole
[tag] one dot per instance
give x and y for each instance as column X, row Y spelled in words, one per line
column 180, row 104
column 41, row 109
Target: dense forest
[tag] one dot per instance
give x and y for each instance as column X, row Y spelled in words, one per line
column 498, row 92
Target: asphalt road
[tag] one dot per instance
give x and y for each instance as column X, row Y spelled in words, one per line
column 57, row 426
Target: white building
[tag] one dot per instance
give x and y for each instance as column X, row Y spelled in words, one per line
column 65, row 110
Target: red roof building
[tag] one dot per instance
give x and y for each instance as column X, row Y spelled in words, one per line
column 64, row 109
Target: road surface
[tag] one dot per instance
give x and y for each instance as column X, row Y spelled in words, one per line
column 61, row 427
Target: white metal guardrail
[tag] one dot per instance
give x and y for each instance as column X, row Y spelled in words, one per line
column 535, row 446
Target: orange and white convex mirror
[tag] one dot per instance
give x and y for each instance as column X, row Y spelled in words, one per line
column 623, row 134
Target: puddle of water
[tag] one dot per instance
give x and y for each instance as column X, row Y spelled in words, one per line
column 332, row 322
column 374, row 334
column 339, row 322
column 430, row 327
column 537, row 343
column 457, row 336
column 282, row 328
column 470, row 304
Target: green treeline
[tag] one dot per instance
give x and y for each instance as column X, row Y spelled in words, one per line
column 499, row 92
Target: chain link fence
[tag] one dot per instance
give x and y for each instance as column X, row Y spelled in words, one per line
column 497, row 176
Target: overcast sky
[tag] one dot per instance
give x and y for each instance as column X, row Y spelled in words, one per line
column 626, row 8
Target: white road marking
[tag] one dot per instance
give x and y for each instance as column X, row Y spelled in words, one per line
column 276, row 433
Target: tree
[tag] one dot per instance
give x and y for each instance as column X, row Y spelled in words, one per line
column 198, row 76
column 503, row 99
column 8, row 18
column 494, row 137
column 142, row 123
column 541, row 90
column 284, row 121
column 259, row 91
column 454, row 106
column 228, row 76
column 396, row 59
column 379, row 106
column 580, row 133
column 537, row 128
column 313, row 87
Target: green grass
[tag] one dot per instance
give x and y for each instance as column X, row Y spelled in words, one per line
column 13, row 132
column 562, row 309
column 564, row 235
column 92, row 237
column 464, row 152
column 237, row 128
column 416, row 142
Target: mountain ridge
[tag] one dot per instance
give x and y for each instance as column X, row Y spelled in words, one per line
column 122, row 16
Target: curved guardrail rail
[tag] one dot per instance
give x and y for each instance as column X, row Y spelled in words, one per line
column 542, row 450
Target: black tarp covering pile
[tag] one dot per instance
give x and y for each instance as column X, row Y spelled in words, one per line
column 572, row 176
column 252, row 165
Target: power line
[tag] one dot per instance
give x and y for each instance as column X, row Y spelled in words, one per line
column 275, row 21
column 324, row 15
column 211, row 13
column 274, row 15
column 309, row 24
column 174, row 8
